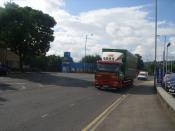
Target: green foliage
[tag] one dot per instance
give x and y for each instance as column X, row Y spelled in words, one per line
column 173, row 68
column 45, row 63
column 171, row 65
column 26, row 31
column 149, row 66
column 140, row 63
column 54, row 63
column 91, row 59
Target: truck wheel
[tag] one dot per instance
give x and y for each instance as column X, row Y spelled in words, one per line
column 98, row 87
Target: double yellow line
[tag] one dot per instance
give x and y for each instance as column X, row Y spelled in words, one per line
column 98, row 120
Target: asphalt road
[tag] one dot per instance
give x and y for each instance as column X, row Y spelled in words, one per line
column 55, row 102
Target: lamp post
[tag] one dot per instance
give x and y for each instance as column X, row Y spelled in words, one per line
column 171, row 65
column 155, row 61
column 167, row 56
column 86, row 38
column 164, row 55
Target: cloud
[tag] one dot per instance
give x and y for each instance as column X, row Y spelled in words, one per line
column 44, row 5
column 121, row 27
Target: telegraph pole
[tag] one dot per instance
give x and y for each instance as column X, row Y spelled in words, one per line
column 85, row 53
column 155, row 61
column 164, row 56
column 167, row 56
column 86, row 38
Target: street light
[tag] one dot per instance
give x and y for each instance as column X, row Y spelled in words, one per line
column 164, row 55
column 86, row 38
column 155, row 62
column 163, row 52
column 167, row 56
column 172, row 63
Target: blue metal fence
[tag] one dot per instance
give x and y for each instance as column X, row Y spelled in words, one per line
column 78, row 67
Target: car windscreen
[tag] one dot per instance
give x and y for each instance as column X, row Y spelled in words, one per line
column 108, row 67
column 172, row 77
column 143, row 73
column 169, row 77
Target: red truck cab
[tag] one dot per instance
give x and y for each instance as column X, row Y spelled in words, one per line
column 108, row 75
column 117, row 69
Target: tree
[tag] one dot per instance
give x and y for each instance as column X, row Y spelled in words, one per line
column 140, row 63
column 149, row 66
column 26, row 31
column 91, row 59
column 54, row 63
column 45, row 63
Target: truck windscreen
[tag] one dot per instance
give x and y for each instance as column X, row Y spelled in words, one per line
column 108, row 67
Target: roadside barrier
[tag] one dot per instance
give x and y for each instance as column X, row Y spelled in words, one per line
column 167, row 101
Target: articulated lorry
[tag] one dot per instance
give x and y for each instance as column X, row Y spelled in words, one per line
column 117, row 69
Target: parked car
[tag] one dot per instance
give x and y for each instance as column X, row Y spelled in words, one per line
column 169, row 83
column 166, row 78
column 143, row 75
column 3, row 69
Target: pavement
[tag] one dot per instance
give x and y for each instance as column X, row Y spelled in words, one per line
column 69, row 102
column 140, row 111
column 167, row 101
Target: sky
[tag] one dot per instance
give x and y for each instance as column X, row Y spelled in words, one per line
column 124, row 24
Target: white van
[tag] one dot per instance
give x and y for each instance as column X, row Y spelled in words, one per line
column 143, row 75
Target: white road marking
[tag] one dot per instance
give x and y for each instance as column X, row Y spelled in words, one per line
column 45, row 115
column 16, row 83
column 72, row 105
column 40, row 85
column 98, row 120
column 23, row 87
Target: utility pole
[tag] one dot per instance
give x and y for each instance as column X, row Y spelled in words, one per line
column 86, row 38
column 164, row 55
column 167, row 56
column 171, row 65
column 155, row 61
column 167, row 60
column 85, row 54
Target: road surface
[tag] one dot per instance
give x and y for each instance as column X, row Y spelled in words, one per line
column 69, row 102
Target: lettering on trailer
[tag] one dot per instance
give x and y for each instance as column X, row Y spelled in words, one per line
column 112, row 56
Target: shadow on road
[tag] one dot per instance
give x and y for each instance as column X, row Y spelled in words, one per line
column 6, row 87
column 49, row 79
column 142, row 90
column 3, row 99
column 117, row 91
column 136, row 89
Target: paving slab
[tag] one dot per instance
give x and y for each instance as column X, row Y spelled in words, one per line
column 140, row 111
